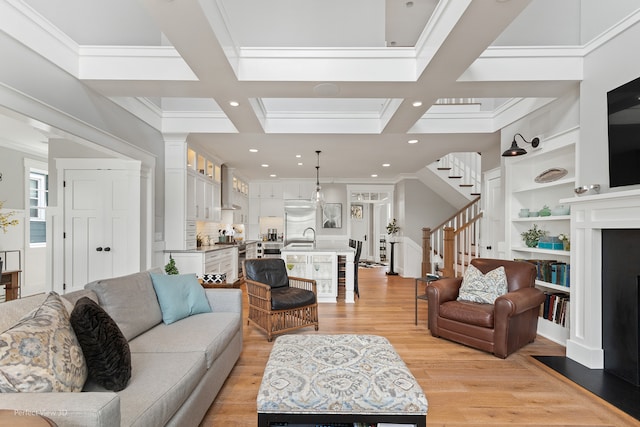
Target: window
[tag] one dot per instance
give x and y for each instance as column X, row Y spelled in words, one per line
column 38, row 201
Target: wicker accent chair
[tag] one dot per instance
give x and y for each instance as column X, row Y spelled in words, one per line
column 279, row 303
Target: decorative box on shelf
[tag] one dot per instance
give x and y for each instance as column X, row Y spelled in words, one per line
column 550, row 242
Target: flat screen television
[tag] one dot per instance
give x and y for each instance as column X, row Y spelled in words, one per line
column 623, row 104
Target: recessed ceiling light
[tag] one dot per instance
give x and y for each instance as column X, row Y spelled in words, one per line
column 386, row 165
column 264, row 165
column 273, row 175
column 374, row 175
column 253, row 150
column 234, row 103
column 412, row 141
column 298, row 156
column 417, row 103
column 299, row 163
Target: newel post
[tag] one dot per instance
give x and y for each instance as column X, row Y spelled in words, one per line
column 426, row 251
column 449, row 243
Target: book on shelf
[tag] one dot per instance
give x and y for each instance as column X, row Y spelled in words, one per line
column 551, row 271
column 556, row 308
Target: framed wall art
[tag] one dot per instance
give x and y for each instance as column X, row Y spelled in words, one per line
column 332, row 215
column 356, row 211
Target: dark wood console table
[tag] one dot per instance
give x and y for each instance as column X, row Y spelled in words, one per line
column 11, row 282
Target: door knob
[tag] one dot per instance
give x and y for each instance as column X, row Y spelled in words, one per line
column 107, row 249
column 99, row 249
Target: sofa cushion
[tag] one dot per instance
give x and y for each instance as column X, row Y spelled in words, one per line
column 180, row 296
column 105, row 349
column 160, row 384
column 130, row 301
column 288, row 298
column 482, row 288
column 471, row 313
column 41, row 353
column 208, row 333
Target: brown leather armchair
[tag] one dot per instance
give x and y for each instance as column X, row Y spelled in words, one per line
column 500, row 328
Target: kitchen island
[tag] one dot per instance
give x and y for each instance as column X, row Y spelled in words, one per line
column 207, row 259
column 321, row 264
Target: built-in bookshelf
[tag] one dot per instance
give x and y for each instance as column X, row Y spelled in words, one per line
column 523, row 192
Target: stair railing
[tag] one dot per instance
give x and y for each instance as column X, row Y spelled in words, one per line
column 453, row 243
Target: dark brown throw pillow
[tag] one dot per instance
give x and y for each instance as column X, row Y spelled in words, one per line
column 105, row 348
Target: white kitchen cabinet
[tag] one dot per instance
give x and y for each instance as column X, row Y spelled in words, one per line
column 557, row 152
column 270, row 190
column 272, row 207
column 190, row 195
column 199, row 262
column 300, row 190
column 252, row 250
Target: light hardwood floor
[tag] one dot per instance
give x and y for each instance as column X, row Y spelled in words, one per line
column 464, row 387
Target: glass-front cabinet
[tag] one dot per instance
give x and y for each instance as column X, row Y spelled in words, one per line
column 320, row 266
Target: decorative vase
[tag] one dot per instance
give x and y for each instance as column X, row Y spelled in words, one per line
column 531, row 243
column 566, row 245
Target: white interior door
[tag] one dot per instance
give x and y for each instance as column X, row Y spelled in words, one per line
column 492, row 229
column 102, row 225
column 360, row 229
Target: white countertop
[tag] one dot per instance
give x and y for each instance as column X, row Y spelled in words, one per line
column 294, row 247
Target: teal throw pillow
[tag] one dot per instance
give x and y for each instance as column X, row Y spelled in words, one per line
column 180, row 296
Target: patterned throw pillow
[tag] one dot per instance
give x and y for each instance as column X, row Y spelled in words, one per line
column 40, row 353
column 483, row 288
column 105, row 349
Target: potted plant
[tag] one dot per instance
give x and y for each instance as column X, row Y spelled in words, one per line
column 171, row 268
column 393, row 228
column 532, row 236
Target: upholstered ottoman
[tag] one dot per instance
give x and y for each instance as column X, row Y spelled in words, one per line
column 338, row 379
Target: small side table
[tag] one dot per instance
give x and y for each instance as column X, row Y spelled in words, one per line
column 391, row 272
column 427, row 279
column 11, row 282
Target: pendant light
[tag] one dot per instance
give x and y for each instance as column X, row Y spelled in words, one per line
column 317, row 198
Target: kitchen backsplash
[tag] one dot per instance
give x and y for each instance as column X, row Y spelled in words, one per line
column 213, row 230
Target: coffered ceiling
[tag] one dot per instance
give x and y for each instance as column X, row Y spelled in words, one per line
column 356, row 79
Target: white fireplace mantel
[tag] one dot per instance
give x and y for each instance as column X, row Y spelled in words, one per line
column 589, row 216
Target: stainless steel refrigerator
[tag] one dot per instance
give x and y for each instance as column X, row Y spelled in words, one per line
column 298, row 216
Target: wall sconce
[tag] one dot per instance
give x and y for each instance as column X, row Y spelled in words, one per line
column 514, row 150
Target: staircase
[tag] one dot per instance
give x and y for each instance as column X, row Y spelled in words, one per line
column 449, row 247
column 462, row 171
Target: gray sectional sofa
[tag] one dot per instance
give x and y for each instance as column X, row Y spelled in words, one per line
column 177, row 369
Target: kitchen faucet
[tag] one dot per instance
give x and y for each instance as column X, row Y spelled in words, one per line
column 314, row 235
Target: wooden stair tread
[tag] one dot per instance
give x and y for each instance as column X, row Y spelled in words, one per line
column 465, row 185
column 454, row 177
column 444, row 169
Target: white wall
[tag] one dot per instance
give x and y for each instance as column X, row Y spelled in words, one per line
column 606, row 68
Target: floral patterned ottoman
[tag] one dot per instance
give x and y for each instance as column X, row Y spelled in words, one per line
column 338, row 379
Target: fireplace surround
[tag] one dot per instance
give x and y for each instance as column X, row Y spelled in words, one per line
column 620, row 320
column 589, row 216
